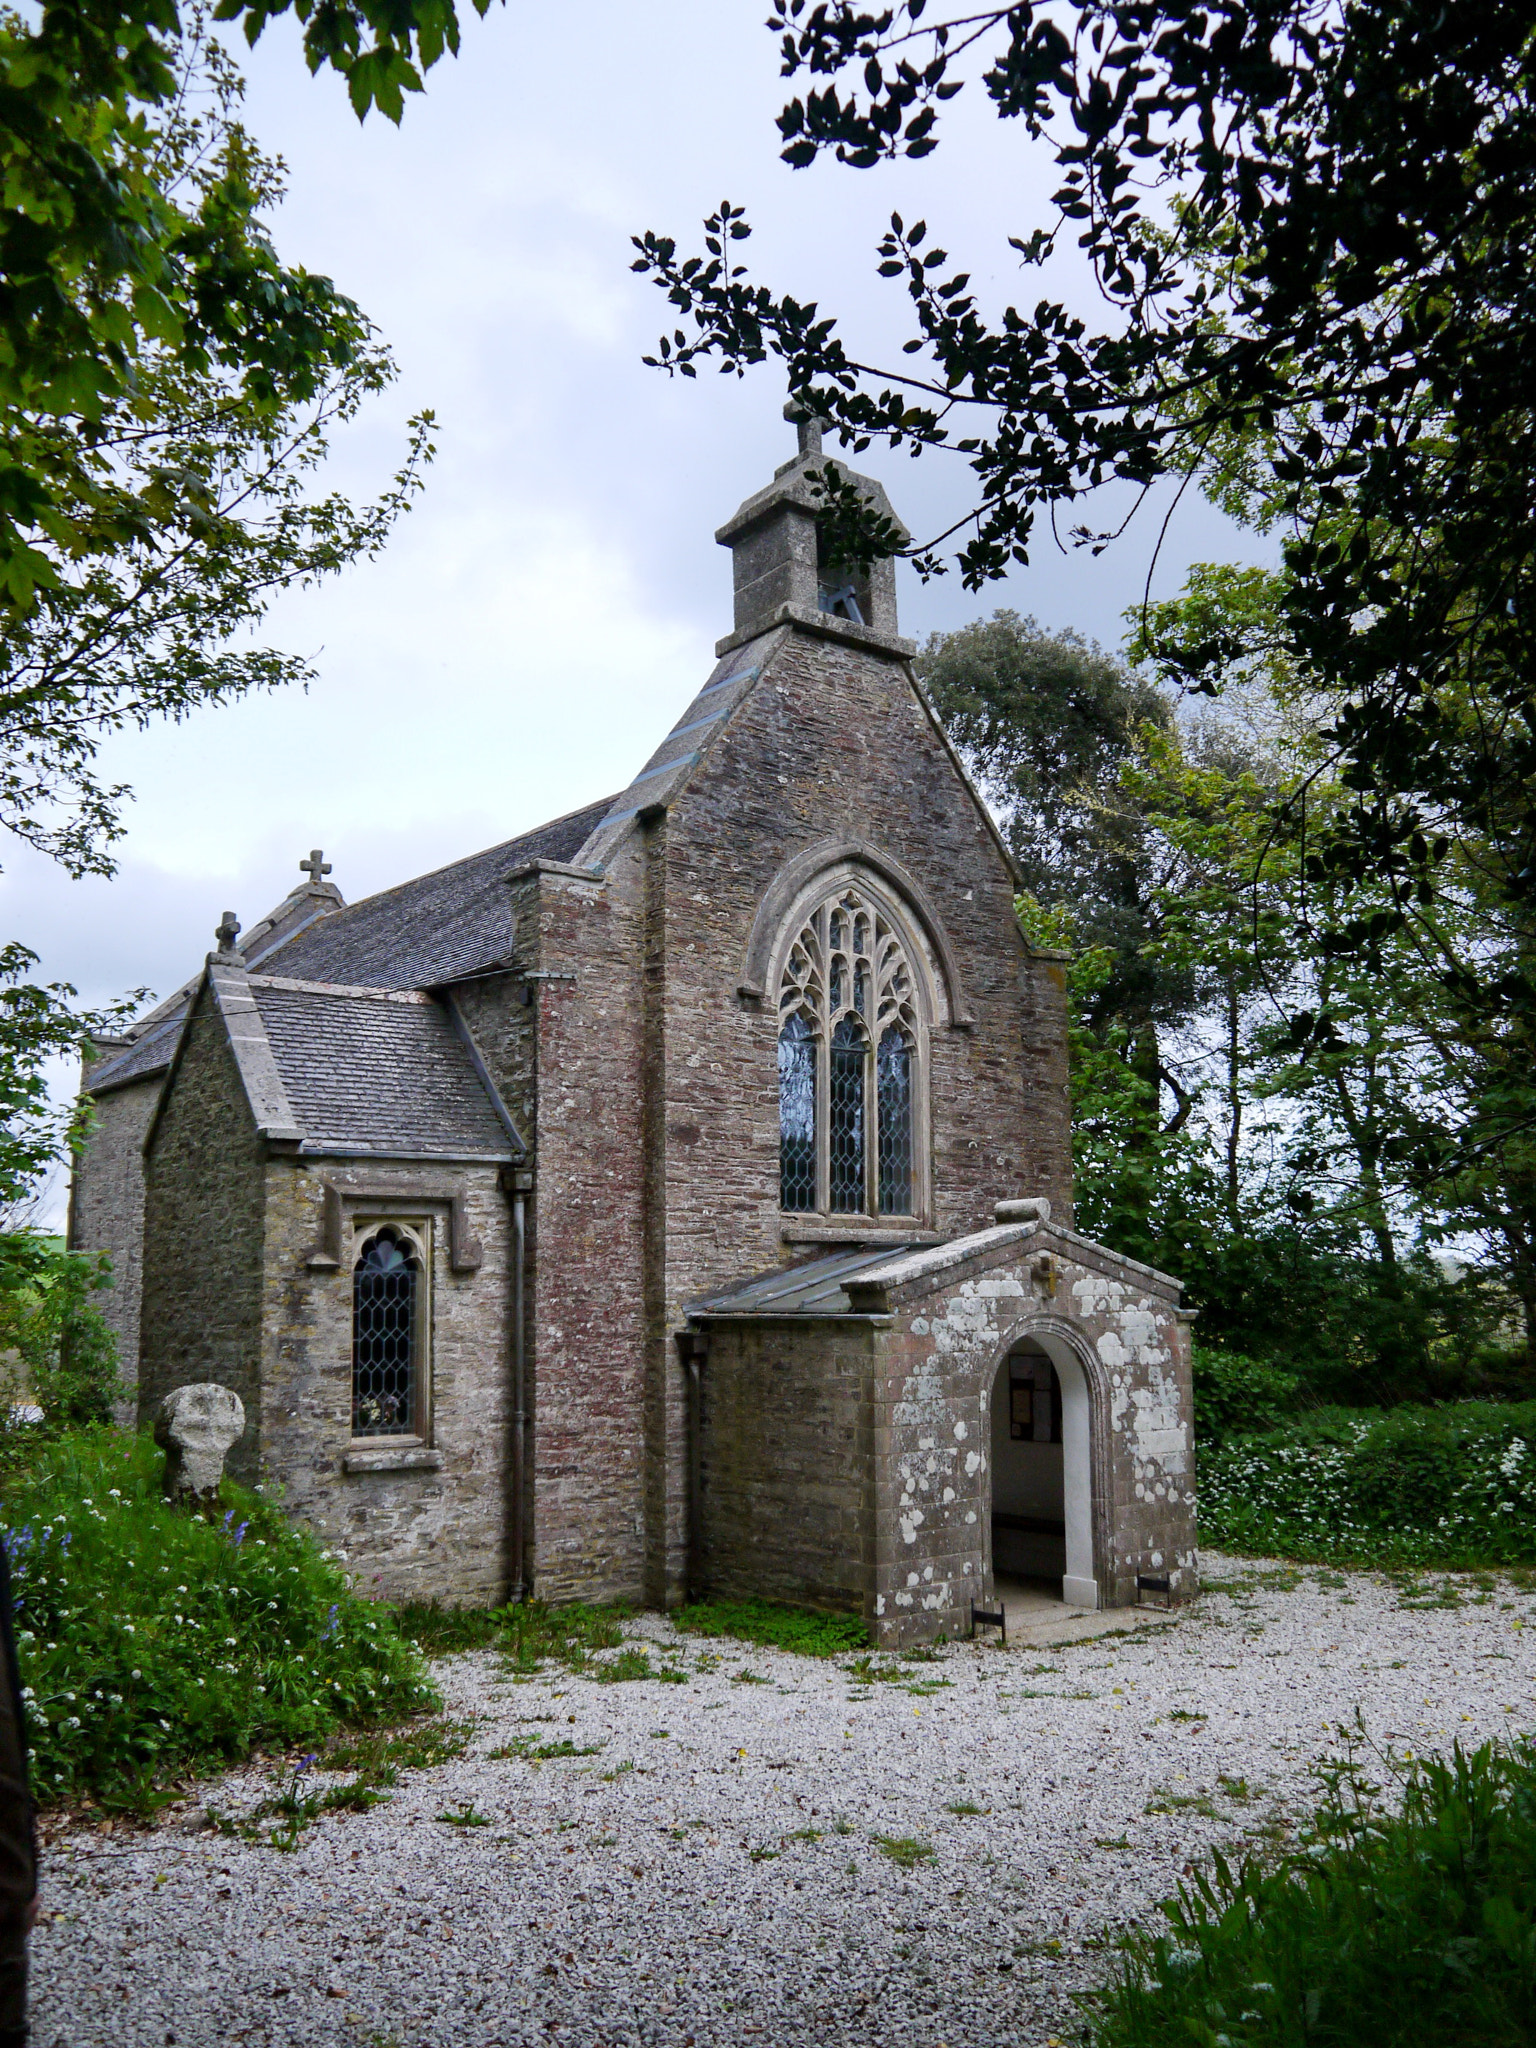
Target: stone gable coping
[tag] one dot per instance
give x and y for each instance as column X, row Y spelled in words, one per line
column 924, row 1272
column 248, row 1041
column 661, row 778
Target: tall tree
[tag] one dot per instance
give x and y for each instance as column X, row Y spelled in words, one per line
column 1311, row 223
column 160, row 450
column 185, row 504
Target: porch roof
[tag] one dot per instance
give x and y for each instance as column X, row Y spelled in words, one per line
column 813, row 1289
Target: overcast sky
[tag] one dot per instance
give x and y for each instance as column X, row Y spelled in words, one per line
column 552, row 602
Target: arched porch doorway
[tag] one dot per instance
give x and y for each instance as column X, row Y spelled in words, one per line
column 1042, row 1475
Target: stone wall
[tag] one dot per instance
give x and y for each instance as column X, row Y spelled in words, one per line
column 434, row 1523
column 204, row 1203
column 833, row 743
column 571, row 1063
column 921, row 1355
column 106, row 1207
column 785, row 1468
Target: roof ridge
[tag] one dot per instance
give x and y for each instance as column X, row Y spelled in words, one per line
column 429, row 874
column 338, row 988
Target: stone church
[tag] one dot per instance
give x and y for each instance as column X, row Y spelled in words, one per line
column 675, row 1199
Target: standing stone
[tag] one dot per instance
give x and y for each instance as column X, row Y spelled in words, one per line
column 195, row 1428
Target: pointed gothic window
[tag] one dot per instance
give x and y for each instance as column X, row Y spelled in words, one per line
column 385, row 1336
column 848, row 1065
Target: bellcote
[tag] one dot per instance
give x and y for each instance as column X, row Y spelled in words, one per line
column 782, row 574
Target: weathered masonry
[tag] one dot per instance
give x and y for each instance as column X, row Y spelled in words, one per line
column 676, row 1197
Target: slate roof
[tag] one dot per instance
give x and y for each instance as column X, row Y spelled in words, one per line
column 371, row 1074
column 814, row 1289
column 149, row 1054
column 435, row 929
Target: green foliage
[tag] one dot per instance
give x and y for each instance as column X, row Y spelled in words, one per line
column 805, row 1630
column 1223, row 176
column 156, row 1645
column 168, row 392
column 1452, row 1488
column 379, row 1755
column 534, row 1633
column 905, row 1851
column 38, row 1025
column 179, row 500
column 1237, row 1396
column 112, row 264
column 65, row 1353
column 439, row 1631
column 1394, row 1926
column 1046, row 722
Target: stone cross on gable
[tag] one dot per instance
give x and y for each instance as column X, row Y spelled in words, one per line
column 316, row 866
column 228, row 932
column 806, row 426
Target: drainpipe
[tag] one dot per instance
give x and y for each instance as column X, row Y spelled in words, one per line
column 522, row 1182
column 694, row 1345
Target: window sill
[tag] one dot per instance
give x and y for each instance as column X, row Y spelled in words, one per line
column 851, row 1230
column 396, row 1457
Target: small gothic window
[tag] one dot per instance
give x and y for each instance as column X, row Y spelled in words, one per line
column 893, row 1090
column 797, row 1115
column 385, row 1341
column 850, row 1057
column 848, row 1065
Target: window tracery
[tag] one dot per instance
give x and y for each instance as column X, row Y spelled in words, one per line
column 849, row 1052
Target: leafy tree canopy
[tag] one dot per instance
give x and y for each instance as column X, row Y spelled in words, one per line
column 110, row 253
column 167, row 392
column 1311, row 224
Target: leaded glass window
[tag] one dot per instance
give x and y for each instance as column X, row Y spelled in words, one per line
column 848, row 1064
column 845, row 1101
column 893, row 1097
column 385, row 1336
column 797, row 1115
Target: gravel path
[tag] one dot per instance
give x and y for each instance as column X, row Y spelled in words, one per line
column 713, row 1874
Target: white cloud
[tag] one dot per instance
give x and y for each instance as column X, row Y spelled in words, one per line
column 541, row 616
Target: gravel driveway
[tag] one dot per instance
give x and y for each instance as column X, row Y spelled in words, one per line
column 714, row 1871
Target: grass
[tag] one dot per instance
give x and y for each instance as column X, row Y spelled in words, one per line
column 465, row 1816
column 377, row 1757
column 905, row 1851
column 1398, row 1921
column 529, row 1751
column 157, row 1645
column 807, row 1631
column 529, row 1633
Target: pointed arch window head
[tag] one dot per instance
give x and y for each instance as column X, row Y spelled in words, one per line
column 386, row 1340
column 849, row 1067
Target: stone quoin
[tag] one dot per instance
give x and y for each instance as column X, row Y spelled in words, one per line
column 675, row 1199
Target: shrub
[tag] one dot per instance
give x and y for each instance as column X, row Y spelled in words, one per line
column 1453, row 1488
column 805, row 1630
column 1390, row 1928
column 155, row 1644
column 1238, row 1396
column 52, row 1328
